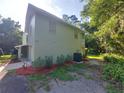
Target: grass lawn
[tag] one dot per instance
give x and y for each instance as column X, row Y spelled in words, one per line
column 3, row 58
column 98, row 57
column 112, row 89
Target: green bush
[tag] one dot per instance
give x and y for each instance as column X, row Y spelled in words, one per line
column 68, row 58
column 114, row 72
column 113, row 58
column 48, row 61
column 60, row 60
column 114, row 69
column 92, row 51
column 112, row 89
column 38, row 62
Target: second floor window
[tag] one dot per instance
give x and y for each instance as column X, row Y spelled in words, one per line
column 52, row 26
column 75, row 34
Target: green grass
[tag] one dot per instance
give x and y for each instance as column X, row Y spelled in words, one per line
column 75, row 67
column 111, row 89
column 12, row 72
column 87, row 76
column 62, row 74
column 98, row 57
column 5, row 57
column 1, row 61
column 36, row 77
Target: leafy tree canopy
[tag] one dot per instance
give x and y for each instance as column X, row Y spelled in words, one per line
column 10, row 34
column 71, row 19
column 108, row 17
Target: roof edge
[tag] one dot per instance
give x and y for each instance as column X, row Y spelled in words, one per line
column 34, row 8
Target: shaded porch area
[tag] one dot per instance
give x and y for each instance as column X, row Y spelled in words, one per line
column 23, row 52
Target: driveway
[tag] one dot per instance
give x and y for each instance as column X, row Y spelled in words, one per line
column 19, row 84
column 13, row 84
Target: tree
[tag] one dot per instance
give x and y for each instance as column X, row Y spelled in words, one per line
column 89, row 29
column 70, row 19
column 73, row 18
column 107, row 16
column 65, row 17
column 10, row 34
column 92, row 44
column 91, row 41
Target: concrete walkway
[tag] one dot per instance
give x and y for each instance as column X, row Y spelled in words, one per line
column 17, row 65
column 4, row 68
column 3, row 72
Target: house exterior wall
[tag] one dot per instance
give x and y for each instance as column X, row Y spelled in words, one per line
column 61, row 41
column 24, row 36
column 29, row 38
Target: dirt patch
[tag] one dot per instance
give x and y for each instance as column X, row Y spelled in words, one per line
column 82, row 85
column 85, row 80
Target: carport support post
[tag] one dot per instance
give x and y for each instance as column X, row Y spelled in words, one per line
column 19, row 52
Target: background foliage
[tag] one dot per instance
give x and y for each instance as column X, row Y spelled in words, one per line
column 114, row 69
column 10, row 34
column 107, row 17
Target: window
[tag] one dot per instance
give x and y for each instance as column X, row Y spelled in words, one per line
column 82, row 36
column 75, row 34
column 52, row 26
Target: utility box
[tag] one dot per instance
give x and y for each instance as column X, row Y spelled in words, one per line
column 77, row 57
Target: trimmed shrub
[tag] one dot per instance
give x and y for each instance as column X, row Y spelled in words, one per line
column 68, row 58
column 38, row 62
column 48, row 61
column 60, row 60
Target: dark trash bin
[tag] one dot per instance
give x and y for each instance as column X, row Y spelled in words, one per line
column 77, row 57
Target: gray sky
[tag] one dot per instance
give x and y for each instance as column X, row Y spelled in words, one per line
column 16, row 9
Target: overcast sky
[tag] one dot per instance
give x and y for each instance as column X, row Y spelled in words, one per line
column 16, row 9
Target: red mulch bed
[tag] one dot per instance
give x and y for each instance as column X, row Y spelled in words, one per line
column 31, row 70
column 69, row 62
